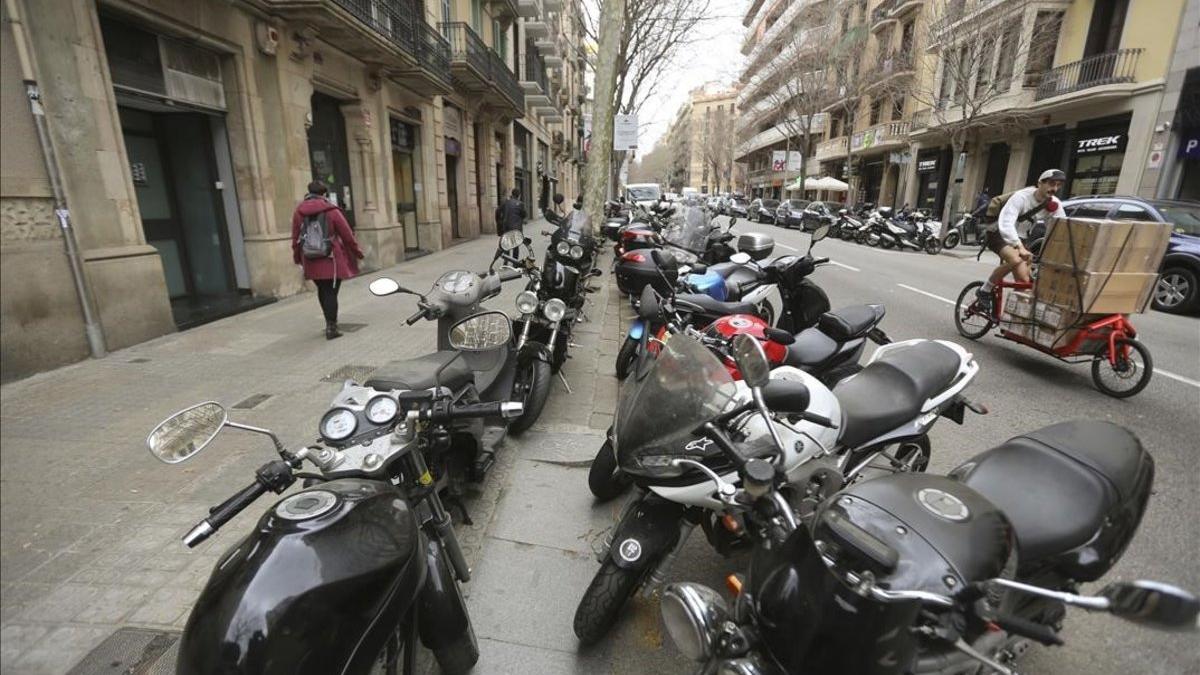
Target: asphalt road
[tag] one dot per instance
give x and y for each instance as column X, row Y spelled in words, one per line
column 1025, row 390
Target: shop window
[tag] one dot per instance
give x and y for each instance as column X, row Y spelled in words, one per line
column 1042, row 45
column 1132, row 212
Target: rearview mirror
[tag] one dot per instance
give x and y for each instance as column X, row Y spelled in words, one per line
column 820, row 233
column 482, row 332
column 1152, row 603
column 559, row 199
column 385, row 286
column 751, row 361
column 511, row 239
column 186, row 432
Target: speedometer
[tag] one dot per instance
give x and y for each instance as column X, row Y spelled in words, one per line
column 382, row 409
column 338, row 424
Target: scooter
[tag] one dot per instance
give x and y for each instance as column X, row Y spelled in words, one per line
column 884, row 412
column 347, row 574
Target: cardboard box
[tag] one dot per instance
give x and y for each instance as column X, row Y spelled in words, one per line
column 1094, row 292
column 1019, row 304
column 1090, row 245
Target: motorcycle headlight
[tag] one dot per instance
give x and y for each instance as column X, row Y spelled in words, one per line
column 555, row 309
column 577, row 251
column 527, row 302
column 562, row 248
column 693, row 614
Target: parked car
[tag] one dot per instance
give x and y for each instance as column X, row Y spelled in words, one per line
column 790, row 213
column 763, row 210
column 1178, row 289
column 737, row 207
column 818, row 213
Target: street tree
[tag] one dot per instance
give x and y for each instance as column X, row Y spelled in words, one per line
column 597, row 174
column 716, row 147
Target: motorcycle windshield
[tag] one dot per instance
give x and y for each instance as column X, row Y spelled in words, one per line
column 664, row 401
column 578, row 227
column 691, row 231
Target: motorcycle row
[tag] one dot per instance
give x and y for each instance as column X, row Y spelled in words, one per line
column 744, row 411
column 904, row 230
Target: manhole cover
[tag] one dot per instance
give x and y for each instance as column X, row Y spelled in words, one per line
column 351, row 327
column 349, row 372
column 132, row 651
column 251, row 402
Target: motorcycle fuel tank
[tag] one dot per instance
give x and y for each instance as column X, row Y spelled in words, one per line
column 316, row 587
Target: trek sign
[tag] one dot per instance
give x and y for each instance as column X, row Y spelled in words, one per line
column 1090, row 146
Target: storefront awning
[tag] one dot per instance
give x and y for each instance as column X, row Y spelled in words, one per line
column 822, row 183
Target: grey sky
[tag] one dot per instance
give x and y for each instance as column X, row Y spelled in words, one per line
column 714, row 56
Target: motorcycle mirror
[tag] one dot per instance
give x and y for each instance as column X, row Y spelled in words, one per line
column 786, row 396
column 740, row 258
column 751, row 360
column 1152, row 603
column 511, row 239
column 386, row 286
column 819, row 234
column 779, row 335
column 482, row 332
column 559, row 199
column 186, row 432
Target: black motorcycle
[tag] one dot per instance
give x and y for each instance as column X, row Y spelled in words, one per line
column 917, row 573
column 346, row 575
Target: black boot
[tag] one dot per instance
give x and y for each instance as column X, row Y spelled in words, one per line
column 331, row 330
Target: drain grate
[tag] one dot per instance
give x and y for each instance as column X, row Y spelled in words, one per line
column 251, row 402
column 351, row 327
column 349, row 372
column 132, row 651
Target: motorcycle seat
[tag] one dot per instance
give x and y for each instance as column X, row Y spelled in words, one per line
column 724, row 269
column 849, row 323
column 812, row 347
column 419, row 372
column 706, row 304
column 1061, row 486
column 890, row 390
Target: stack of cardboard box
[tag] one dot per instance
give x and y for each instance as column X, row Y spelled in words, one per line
column 1089, row 269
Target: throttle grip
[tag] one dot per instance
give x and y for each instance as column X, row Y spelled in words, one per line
column 222, row 513
column 415, row 317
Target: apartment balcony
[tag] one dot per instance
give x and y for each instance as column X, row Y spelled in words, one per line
column 891, row 11
column 381, row 32
column 773, row 136
column 529, row 9
column 505, row 81
column 920, row 120
column 504, row 10
column 895, row 64
column 759, row 74
column 534, row 82
column 548, row 46
column 884, row 136
column 781, row 27
column 478, row 69
column 1117, row 67
column 829, row 149
column 552, row 5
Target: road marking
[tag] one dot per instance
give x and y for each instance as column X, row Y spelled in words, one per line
column 928, row 294
column 786, row 246
column 844, row 265
column 1180, row 378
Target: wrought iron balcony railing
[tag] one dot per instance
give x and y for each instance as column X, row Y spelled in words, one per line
column 1114, row 67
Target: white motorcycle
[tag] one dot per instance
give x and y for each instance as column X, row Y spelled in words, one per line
column 819, row 440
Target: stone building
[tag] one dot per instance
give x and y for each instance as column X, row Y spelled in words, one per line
column 184, row 133
column 701, row 138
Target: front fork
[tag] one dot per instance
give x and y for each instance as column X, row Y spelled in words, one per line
column 439, row 519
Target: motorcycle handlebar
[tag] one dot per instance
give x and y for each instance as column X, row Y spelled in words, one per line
column 510, row 273
column 445, row 412
column 420, row 313
column 223, row 513
column 820, row 261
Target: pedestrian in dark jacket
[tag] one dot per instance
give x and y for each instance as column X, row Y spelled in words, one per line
column 342, row 262
column 510, row 215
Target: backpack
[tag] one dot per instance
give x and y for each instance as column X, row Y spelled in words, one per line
column 314, row 236
column 996, row 204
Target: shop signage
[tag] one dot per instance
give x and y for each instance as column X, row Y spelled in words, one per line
column 926, row 165
column 1190, row 147
column 1096, row 144
column 782, row 160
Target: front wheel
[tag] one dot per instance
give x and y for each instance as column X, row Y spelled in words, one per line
column 533, row 380
column 1129, row 374
column 933, row 246
column 459, row 656
column 968, row 319
column 626, row 357
column 952, row 240
column 601, row 604
column 605, row 478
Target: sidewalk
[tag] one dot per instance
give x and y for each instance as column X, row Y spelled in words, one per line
column 92, row 523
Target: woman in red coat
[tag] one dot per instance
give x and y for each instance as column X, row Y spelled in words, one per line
column 327, row 271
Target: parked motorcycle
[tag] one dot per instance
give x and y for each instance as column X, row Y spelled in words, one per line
column 347, row 574
column 915, row 573
column 883, row 413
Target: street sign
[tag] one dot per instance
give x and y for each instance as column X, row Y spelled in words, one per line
column 625, row 132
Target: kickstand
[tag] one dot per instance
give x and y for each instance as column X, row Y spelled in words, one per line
column 455, row 502
column 564, row 381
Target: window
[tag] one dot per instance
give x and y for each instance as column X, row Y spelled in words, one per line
column 962, row 74
column 1042, row 45
column 943, row 98
column 898, row 107
column 875, row 107
column 447, row 12
column 1008, row 56
column 499, row 38
column 983, row 74
column 1132, row 212
column 477, row 15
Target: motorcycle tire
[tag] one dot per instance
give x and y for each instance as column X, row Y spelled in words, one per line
column 933, row 246
column 536, row 374
column 601, row 604
column 461, row 655
column 887, row 243
column 626, row 357
column 605, row 479
column 952, row 240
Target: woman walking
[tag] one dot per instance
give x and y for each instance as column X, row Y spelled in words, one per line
column 322, row 243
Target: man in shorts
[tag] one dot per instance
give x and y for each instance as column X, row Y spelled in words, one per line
column 1002, row 238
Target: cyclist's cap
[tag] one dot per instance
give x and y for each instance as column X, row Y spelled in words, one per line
column 1052, row 174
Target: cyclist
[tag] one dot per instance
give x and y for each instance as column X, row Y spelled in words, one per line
column 1002, row 238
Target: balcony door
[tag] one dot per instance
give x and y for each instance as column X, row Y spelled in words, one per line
column 1104, row 37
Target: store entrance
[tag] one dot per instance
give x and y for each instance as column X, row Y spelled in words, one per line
column 327, row 151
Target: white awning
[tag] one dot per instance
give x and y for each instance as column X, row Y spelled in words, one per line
column 822, row 183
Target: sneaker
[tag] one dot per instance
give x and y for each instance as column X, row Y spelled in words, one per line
column 983, row 302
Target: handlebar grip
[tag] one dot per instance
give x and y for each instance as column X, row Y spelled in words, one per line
column 1030, row 629
column 820, row 261
column 415, row 317
column 223, row 513
column 491, row 409
column 509, row 273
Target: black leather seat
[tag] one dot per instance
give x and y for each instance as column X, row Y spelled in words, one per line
column 1061, row 485
column 812, row 347
column 891, row 389
column 419, row 373
column 724, row 269
column 693, row 302
column 849, row 323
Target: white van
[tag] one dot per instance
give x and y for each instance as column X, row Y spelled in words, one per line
column 643, row 194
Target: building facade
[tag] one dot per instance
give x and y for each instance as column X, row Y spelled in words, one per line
column 1097, row 88
column 701, row 138
column 184, row 133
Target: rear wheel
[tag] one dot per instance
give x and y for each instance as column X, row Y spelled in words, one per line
column 1177, row 290
column 1129, row 375
column 933, row 246
column 626, row 357
column 968, row 319
column 952, row 240
column 605, row 478
column 601, row 604
column 533, row 380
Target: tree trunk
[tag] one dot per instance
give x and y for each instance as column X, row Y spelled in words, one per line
column 612, row 22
